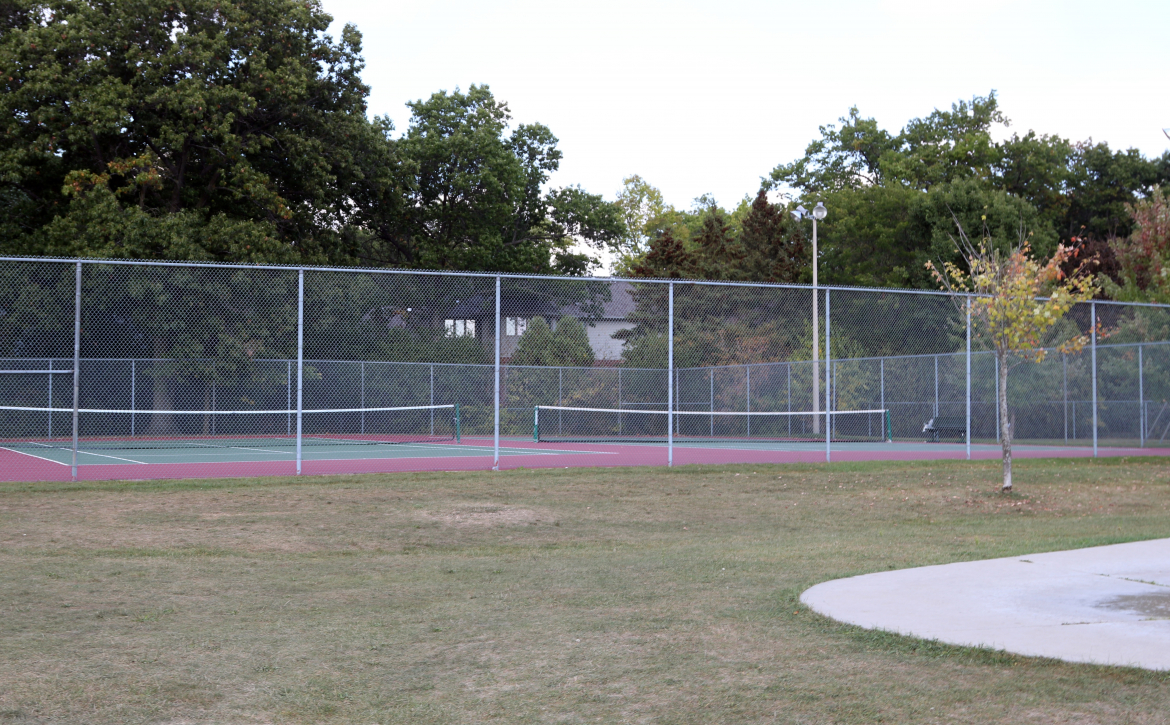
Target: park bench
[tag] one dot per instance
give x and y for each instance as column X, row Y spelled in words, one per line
column 950, row 426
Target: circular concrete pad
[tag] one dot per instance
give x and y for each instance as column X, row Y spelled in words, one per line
column 1104, row 605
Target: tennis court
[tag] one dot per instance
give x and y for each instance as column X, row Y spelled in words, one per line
column 200, row 459
column 188, row 370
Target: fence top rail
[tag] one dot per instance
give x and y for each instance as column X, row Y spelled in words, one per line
column 510, row 275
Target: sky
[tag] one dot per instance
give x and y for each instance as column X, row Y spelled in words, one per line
column 707, row 98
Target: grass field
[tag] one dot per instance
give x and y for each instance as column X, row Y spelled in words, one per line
column 554, row 596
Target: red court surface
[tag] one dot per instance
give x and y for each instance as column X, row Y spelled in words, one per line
column 16, row 466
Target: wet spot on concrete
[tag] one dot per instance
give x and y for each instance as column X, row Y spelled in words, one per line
column 1150, row 605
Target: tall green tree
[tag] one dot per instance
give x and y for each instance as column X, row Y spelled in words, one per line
column 889, row 192
column 179, row 129
column 469, row 193
column 568, row 346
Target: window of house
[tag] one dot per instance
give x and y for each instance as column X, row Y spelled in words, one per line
column 460, row 328
column 515, row 326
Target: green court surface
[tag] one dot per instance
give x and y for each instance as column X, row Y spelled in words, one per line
column 200, row 453
column 63, row 454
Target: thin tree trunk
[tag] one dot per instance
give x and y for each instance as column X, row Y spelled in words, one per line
column 1005, row 426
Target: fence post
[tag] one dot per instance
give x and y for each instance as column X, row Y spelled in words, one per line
column 1064, row 391
column 936, row 386
column 76, row 363
column 828, row 381
column 711, row 379
column 619, row 401
column 968, row 378
column 748, row 368
column 816, row 355
column 300, row 362
column 496, row 401
column 996, row 388
column 1141, row 401
column 1093, row 317
column 670, row 375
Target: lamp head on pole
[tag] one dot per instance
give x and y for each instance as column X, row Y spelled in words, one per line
column 799, row 212
column 819, row 212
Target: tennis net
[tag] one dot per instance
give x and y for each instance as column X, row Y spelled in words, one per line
column 115, row 429
column 563, row 424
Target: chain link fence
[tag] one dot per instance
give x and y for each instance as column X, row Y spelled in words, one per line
column 98, row 356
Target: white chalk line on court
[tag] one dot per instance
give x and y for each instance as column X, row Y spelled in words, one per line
column 79, row 450
column 42, row 458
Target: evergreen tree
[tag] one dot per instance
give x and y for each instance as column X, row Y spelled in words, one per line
column 567, row 347
column 773, row 246
column 571, row 343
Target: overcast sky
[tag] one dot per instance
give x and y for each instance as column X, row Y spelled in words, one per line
column 708, row 97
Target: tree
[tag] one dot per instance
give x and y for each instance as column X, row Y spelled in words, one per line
column 1144, row 256
column 773, row 246
column 567, row 347
column 667, row 258
column 469, row 195
column 180, row 130
column 1015, row 301
column 889, row 192
column 571, row 343
column 641, row 204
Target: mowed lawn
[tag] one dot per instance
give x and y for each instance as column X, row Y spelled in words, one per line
column 540, row 596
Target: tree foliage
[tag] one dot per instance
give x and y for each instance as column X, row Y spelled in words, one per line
column 890, row 195
column 763, row 245
column 568, row 346
column 470, row 195
column 180, row 130
column 1144, row 256
column 203, row 130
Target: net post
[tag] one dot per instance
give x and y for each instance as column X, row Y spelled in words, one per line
column 133, row 370
column 670, row 375
column 458, row 424
column 828, row 382
column 76, row 362
column 496, row 400
column 536, row 424
column 968, row 435
column 889, row 427
column 300, row 362
column 1093, row 318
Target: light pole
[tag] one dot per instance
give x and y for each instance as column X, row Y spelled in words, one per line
column 818, row 213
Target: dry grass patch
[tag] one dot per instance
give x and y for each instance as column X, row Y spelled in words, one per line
column 565, row 596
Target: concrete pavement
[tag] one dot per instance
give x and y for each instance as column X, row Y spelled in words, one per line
column 1104, row 605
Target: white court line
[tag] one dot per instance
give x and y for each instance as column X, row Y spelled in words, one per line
column 102, row 455
column 50, row 460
